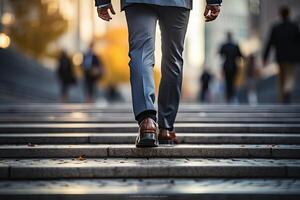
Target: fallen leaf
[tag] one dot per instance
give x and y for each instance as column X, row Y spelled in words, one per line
column 81, row 158
column 31, row 145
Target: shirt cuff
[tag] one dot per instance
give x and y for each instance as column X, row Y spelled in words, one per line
column 104, row 5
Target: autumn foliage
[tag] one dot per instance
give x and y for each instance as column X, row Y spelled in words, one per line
column 36, row 26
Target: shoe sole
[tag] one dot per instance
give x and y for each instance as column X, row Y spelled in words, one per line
column 167, row 142
column 147, row 141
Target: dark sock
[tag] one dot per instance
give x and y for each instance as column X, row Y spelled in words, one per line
column 169, row 129
column 146, row 114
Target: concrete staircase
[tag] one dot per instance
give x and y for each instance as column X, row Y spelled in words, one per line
column 56, row 151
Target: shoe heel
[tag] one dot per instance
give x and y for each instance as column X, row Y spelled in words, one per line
column 148, row 136
column 149, row 140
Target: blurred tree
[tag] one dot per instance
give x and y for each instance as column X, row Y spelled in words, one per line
column 37, row 24
column 115, row 56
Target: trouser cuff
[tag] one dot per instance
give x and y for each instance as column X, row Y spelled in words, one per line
column 145, row 114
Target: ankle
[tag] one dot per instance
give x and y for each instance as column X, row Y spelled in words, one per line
column 145, row 115
column 167, row 129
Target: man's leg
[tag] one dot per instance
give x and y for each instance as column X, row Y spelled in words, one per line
column 173, row 23
column 88, row 84
column 228, row 84
column 289, row 81
column 141, row 21
column 281, row 75
column 63, row 91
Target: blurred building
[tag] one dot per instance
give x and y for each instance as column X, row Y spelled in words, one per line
column 4, row 18
column 84, row 25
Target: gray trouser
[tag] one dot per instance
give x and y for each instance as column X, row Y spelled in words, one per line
column 142, row 20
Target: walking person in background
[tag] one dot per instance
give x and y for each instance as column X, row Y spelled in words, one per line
column 65, row 75
column 230, row 52
column 205, row 80
column 285, row 39
column 93, row 71
column 142, row 17
column 112, row 93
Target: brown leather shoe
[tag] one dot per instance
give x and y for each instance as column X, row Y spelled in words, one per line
column 167, row 137
column 147, row 134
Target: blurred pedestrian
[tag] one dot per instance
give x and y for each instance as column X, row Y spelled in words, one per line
column 230, row 52
column 285, row 39
column 65, row 75
column 93, row 71
column 205, row 80
column 113, row 95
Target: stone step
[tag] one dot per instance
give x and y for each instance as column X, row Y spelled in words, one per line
column 128, row 108
column 129, row 138
column 132, row 128
column 148, row 168
column 115, row 189
column 130, row 119
column 129, row 111
column 130, row 151
column 129, row 105
column 200, row 115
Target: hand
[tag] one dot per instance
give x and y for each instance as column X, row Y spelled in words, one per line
column 104, row 14
column 211, row 12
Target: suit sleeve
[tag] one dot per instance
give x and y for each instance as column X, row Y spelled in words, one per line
column 102, row 2
column 210, row 2
column 298, row 36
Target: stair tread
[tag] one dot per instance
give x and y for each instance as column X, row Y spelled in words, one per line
column 152, row 186
column 121, row 150
column 150, row 168
column 129, row 138
column 151, row 162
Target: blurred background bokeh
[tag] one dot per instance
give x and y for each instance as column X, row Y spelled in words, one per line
column 34, row 33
